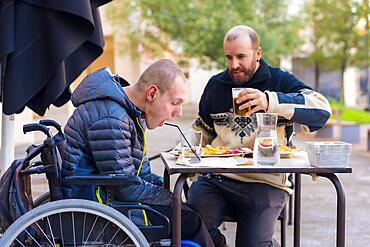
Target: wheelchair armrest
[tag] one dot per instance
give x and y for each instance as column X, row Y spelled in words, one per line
column 105, row 180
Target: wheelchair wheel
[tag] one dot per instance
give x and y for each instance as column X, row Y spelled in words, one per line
column 73, row 222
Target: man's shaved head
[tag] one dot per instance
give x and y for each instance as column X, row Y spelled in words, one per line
column 243, row 32
column 159, row 93
column 163, row 73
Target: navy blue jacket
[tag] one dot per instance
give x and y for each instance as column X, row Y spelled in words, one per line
column 103, row 136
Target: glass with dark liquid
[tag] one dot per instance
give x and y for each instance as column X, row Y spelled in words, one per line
column 237, row 111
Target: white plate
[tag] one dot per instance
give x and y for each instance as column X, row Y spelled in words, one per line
column 177, row 153
column 288, row 154
column 247, row 150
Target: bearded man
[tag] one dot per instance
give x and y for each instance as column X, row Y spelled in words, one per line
column 256, row 200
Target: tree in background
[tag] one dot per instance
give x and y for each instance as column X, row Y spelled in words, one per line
column 363, row 29
column 195, row 28
column 337, row 36
column 315, row 54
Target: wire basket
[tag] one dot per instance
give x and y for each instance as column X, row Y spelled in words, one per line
column 328, row 154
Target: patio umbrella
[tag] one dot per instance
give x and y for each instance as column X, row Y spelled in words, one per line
column 44, row 46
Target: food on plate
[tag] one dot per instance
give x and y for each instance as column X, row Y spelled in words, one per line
column 287, row 149
column 209, row 150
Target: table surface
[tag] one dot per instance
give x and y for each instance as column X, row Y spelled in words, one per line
column 295, row 164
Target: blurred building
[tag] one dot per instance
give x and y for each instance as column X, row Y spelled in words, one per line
column 355, row 82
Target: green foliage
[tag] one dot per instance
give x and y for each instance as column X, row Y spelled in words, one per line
column 350, row 114
column 314, row 12
column 338, row 38
column 363, row 31
column 339, row 24
column 196, row 28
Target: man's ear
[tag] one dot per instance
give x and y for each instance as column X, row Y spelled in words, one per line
column 259, row 53
column 152, row 92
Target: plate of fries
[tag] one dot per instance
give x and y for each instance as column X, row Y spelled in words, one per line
column 286, row 152
column 210, row 151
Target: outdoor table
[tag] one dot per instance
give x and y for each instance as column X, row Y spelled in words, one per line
column 296, row 164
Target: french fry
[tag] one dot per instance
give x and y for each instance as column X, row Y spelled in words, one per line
column 209, row 150
column 287, row 149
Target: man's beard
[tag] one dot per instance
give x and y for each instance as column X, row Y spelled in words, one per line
column 247, row 71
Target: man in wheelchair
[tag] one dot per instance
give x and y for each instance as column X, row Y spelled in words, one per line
column 106, row 135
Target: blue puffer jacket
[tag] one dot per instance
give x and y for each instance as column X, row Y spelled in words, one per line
column 103, row 136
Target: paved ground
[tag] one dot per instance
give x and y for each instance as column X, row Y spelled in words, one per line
column 318, row 198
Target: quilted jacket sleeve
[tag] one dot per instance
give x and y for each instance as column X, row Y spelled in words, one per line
column 110, row 144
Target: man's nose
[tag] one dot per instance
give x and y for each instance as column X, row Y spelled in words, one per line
column 177, row 112
column 234, row 63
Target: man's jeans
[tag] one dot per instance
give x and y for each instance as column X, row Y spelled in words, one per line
column 256, row 207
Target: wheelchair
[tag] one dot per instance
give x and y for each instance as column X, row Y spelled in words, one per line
column 54, row 221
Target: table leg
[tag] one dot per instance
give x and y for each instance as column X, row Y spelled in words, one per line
column 341, row 207
column 166, row 178
column 290, row 203
column 176, row 207
column 297, row 210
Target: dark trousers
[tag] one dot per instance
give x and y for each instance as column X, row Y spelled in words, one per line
column 192, row 226
column 256, row 207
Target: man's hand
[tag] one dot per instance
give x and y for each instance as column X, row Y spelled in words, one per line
column 253, row 98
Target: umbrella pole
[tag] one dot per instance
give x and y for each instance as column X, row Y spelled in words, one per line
column 7, row 129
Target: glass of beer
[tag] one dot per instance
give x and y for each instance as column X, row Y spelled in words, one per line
column 237, row 111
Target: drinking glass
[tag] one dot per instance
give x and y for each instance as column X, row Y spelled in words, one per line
column 237, row 111
column 191, row 146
